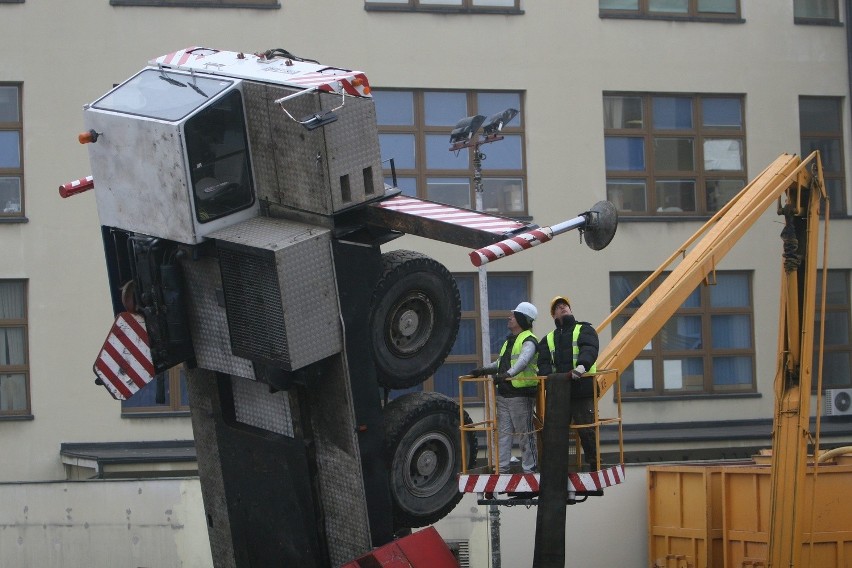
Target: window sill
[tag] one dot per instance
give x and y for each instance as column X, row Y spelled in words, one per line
column 690, row 19
column 13, row 219
column 157, row 414
column 680, row 397
column 816, row 22
column 16, row 417
column 444, row 10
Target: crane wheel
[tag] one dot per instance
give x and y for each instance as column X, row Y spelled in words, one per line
column 423, row 454
column 414, row 318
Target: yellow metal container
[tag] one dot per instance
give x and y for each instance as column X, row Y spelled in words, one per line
column 702, row 516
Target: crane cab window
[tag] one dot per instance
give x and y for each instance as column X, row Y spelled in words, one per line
column 217, row 153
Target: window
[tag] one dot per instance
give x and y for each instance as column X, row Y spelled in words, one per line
column 837, row 355
column 505, row 291
column 414, row 130
column 462, row 6
column 11, row 152
column 673, row 155
column 815, row 12
column 171, row 387
column 820, row 128
column 706, row 347
column 200, row 3
column 14, row 367
column 667, row 9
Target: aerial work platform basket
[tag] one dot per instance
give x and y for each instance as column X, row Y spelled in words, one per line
column 485, row 478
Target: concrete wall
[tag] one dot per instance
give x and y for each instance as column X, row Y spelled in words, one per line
column 160, row 524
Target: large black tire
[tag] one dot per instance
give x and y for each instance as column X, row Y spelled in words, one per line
column 414, row 318
column 423, row 454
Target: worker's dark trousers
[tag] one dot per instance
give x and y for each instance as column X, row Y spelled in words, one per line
column 583, row 412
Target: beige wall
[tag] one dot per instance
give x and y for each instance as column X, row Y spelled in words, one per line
column 69, row 53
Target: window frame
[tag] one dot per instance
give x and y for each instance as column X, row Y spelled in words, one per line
column 818, row 21
column 173, row 407
column 459, row 7
column 24, row 369
column 421, row 131
column 698, row 134
column 838, row 176
column 657, row 355
column 644, row 12
column 18, row 127
column 842, row 309
column 246, row 4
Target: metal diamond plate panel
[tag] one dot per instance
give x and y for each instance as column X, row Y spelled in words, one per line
column 208, row 321
column 280, row 291
column 258, row 119
column 256, row 406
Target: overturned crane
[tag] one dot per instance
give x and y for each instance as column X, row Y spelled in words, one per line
column 243, row 208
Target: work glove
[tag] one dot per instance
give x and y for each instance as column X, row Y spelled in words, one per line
column 499, row 377
column 478, row 372
column 578, row 372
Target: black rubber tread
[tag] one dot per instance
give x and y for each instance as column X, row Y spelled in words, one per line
column 405, row 271
column 407, row 418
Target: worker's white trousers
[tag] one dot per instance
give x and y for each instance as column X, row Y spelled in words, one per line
column 515, row 420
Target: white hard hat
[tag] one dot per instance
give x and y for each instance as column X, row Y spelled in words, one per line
column 527, row 309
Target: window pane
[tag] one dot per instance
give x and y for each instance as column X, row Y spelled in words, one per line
column 13, row 392
column 442, row 2
column 836, row 370
column 492, row 103
column 624, row 154
column 674, row 154
column 501, row 3
column 720, row 192
column 731, row 291
column 671, row 6
column 497, row 332
column 693, row 301
column 819, row 115
column 674, row 196
column 503, row 195
column 836, row 328
column 468, row 289
column 10, row 194
column 722, row 113
column 466, row 339
column 447, row 379
column 718, row 6
column 622, row 285
column 732, row 373
column 829, row 152
column 506, row 291
column 10, row 149
column 394, row 107
column 723, row 155
column 836, row 288
column 13, row 347
column 627, row 194
column 9, row 104
column 504, row 154
column 11, row 300
column 400, row 147
column 822, row 9
column 408, row 185
column 619, row 4
column 681, row 333
column 685, row 374
column 731, row 332
column 672, row 113
column 836, row 196
column 439, row 157
column 444, row 108
column 623, row 112
column 147, row 395
column 452, row 191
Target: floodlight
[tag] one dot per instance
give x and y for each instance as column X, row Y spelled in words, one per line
column 465, row 129
column 496, row 121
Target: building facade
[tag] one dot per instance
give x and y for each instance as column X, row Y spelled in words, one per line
column 666, row 108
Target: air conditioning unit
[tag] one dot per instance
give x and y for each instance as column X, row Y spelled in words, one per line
column 838, row 402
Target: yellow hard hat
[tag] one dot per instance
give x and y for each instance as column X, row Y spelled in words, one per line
column 556, row 300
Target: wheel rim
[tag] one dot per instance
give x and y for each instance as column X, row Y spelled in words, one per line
column 427, row 464
column 410, row 324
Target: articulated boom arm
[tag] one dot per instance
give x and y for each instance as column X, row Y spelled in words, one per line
column 719, row 234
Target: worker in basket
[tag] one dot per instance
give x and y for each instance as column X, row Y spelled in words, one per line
column 573, row 348
column 514, row 372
